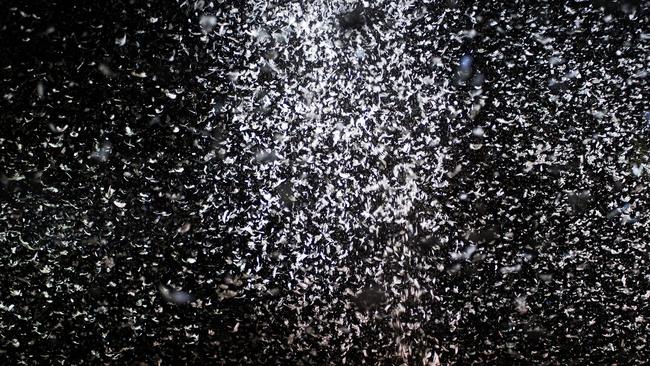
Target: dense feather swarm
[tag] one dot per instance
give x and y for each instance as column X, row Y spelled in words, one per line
column 324, row 182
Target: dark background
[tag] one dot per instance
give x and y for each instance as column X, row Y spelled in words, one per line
column 83, row 285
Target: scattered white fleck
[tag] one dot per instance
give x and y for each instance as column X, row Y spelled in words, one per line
column 40, row 89
column 185, row 228
column 139, row 74
column 120, row 41
column 510, row 269
column 520, row 305
column 173, row 296
column 103, row 152
column 455, row 172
